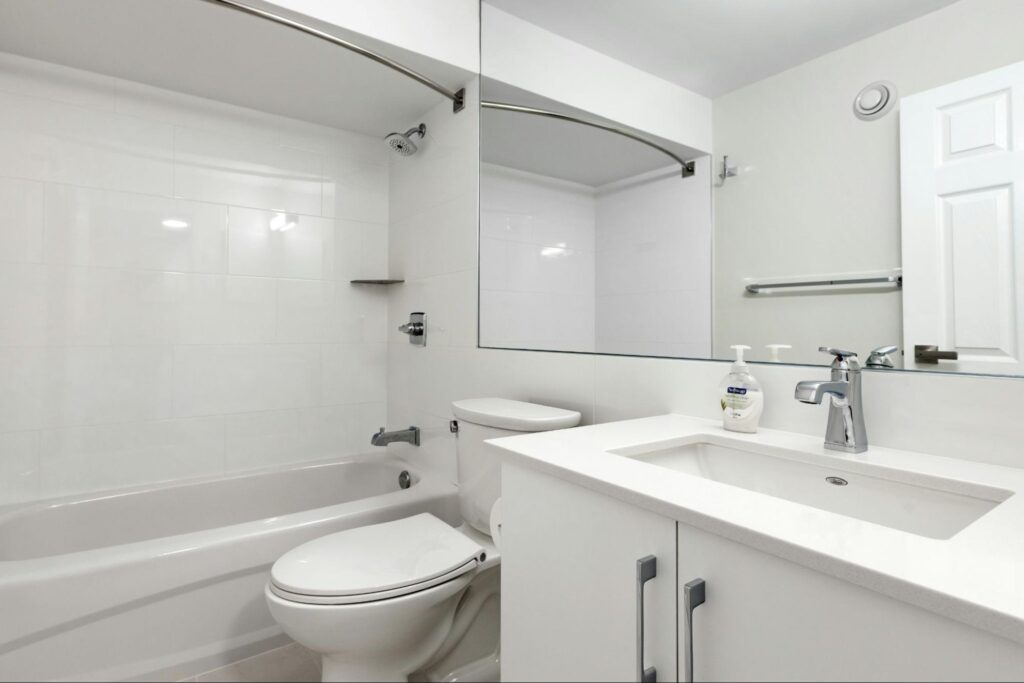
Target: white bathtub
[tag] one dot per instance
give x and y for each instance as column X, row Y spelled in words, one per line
column 164, row 582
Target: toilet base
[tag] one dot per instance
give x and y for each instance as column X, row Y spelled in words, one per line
column 343, row 670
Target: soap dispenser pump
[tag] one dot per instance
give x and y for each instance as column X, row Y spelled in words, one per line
column 741, row 398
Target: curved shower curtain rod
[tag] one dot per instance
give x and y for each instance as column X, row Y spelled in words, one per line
column 688, row 166
column 458, row 97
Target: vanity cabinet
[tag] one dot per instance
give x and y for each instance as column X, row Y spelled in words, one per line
column 765, row 618
column 569, row 585
column 570, row 604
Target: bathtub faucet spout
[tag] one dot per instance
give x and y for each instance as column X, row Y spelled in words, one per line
column 410, row 435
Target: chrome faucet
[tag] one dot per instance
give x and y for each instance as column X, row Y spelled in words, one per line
column 845, row 430
column 410, row 435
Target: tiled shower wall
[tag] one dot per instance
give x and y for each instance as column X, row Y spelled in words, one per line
column 133, row 352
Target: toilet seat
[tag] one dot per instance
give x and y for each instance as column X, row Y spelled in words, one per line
column 375, row 562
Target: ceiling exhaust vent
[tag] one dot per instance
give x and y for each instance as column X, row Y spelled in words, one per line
column 874, row 101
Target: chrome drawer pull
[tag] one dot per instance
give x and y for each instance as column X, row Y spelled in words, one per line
column 693, row 597
column 646, row 569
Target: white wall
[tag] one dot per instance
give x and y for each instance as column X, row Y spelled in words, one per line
column 653, row 269
column 130, row 352
column 529, row 57
column 537, row 249
column 818, row 190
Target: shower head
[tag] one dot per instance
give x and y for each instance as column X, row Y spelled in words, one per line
column 402, row 142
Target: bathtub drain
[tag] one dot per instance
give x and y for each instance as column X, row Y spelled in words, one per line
column 404, row 480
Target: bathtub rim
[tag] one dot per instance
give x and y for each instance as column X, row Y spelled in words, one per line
column 424, row 487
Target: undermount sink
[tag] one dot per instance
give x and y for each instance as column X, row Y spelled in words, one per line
column 928, row 507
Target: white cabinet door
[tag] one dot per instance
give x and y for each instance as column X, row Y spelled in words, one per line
column 568, row 583
column 962, row 170
column 767, row 619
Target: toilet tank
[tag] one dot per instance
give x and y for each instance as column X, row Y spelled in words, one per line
column 481, row 419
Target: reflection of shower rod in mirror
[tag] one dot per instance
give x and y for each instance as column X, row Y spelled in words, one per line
column 688, row 166
column 458, row 97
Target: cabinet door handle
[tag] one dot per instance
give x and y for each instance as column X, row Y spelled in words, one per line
column 646, row 569
column 693, row 597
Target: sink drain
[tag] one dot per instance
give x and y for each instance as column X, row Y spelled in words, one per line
column 836, row 481
column 404, row 480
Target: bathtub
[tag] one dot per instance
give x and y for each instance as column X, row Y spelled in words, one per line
column 163, row 582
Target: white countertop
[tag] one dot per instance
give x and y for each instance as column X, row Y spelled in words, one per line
column 976, row 577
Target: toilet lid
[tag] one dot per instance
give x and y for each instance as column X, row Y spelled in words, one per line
column 516, row 416
column 375, row 562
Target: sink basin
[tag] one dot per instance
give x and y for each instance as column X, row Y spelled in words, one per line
column 928, row 506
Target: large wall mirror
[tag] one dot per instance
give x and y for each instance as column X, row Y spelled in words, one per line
column 654, row 184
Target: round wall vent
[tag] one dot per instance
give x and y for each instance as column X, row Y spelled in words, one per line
column 874, row 101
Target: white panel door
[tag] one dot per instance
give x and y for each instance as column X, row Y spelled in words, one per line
column 962, row 174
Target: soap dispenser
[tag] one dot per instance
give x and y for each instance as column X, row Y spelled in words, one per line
column 741, row 397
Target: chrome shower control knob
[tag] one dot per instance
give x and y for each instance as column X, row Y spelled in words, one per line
column 416, row 328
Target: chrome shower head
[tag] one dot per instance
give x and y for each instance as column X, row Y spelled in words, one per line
column 402, row 142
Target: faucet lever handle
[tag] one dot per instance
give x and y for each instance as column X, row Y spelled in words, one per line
column 838, row 353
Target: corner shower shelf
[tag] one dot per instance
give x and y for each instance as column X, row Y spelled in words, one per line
column 376, row 282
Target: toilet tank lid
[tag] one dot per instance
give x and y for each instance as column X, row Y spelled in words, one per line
column 517, row 416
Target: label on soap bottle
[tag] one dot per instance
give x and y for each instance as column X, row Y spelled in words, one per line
column 737, row 402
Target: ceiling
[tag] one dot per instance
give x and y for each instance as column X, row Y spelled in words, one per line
column 198, row 48
column 715, row 46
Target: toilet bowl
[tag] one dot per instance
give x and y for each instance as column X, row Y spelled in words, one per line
column 381, row 602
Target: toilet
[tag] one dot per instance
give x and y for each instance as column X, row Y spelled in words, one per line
column 384, row 601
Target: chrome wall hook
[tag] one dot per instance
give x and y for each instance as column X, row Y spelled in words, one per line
column 727, row 170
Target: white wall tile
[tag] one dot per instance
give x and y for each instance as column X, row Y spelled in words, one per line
column 24, row 76
column 357, row 190
column 361, row 251
column 64, row 143
column 212, row 380
column 91, row 227
column 54, row 305
column 305, row 251
column 119, row 455
column 94, row 384
column 23, row 304
column 180, row 308
column 19, row 467
column 21, row 231
column 214, row 167
column 188, row 111
column 261, row 439
column 308, row 310
column 22, row 376
column 354, row 373
column 330, row 431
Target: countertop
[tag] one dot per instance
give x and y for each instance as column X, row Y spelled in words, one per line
column 976, row 577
